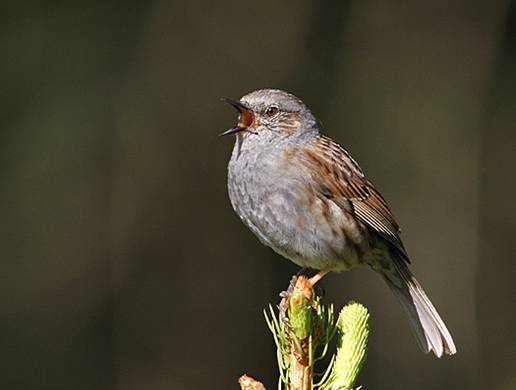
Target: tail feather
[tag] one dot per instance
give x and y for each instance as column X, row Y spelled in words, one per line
column 429, row 328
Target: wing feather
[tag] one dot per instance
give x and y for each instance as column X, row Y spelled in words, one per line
column 341, row 178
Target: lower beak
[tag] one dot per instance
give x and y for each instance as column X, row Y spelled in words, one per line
column 234, row 130
column 245, row 119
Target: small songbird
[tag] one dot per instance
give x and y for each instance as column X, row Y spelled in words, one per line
column 304, row 196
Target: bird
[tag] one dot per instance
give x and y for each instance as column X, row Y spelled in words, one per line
column 304, row 196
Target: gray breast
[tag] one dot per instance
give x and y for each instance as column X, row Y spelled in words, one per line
column 275, row 204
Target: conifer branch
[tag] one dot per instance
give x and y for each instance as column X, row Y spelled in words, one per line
column 303, row 330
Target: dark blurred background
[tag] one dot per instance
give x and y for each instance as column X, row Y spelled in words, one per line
column 123, row 265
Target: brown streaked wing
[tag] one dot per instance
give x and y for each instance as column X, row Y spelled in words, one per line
column 339, row 176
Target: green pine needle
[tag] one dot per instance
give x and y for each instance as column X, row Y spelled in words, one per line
column 353, row 332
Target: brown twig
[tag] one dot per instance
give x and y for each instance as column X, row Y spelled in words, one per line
column 248, row 383
column 301, row 300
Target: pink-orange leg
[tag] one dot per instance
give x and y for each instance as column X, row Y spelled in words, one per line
column 318, row 276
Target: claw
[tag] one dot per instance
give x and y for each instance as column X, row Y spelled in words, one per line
column 319, row 291
column 303, row 271
column 285, row 295
column 283, row 309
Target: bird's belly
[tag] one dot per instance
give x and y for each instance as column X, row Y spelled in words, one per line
column 307, row 231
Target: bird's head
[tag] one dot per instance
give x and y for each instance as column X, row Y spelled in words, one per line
column 271, row 114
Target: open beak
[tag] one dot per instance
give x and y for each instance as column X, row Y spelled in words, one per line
column 245, row 119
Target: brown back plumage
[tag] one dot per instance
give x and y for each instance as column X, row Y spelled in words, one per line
column 344, row 181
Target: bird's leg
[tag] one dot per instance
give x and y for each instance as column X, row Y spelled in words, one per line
column 318, row 276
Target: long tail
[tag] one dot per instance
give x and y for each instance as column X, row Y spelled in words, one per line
column 430, row 331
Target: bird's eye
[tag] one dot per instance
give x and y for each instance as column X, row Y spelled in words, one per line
column 271, row 111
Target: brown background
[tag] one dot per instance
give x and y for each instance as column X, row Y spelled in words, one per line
column 123, row 265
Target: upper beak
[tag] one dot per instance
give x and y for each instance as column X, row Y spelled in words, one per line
column 236, row 103
column 245, row 118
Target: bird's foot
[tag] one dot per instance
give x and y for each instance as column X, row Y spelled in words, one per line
column 285, row 296
column 305, row 271
column 309, row 283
